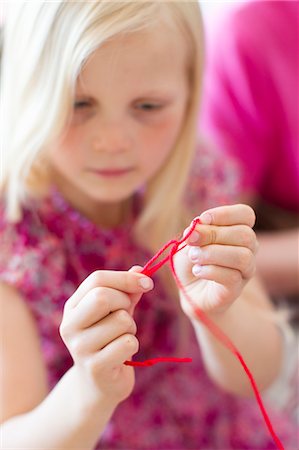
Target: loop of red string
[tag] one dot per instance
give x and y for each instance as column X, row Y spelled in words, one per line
column 149, row 269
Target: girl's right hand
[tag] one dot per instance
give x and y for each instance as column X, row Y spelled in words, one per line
column 99, row 331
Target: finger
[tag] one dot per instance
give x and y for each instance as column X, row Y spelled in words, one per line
column 238, row 258
column 230, row 279
column 97, row 304
column 137, row 269
column 134, row 298
column 103, row 333
column 229, row 215
column 236, row 235
column 117, row 352
column 129, row 282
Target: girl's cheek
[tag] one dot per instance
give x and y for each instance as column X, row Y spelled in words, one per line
column 166, row 131
column 80, row 117
column 75, row 132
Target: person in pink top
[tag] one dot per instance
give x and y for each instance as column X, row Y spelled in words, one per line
column 250, row 111
column 100, row 168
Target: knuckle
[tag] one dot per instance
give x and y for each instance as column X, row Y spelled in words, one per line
column 98, row 291
column 94, row 365
column 248, row 237
column 124, row 318
column 205, row 255
column 235, row 277
column 100, row 298
column 251, row 215
column 96, row 278
column 213, row 235
column 62, row 331
column 67, row 306
column 65, row 330
column 245, row 258
column 76, row 347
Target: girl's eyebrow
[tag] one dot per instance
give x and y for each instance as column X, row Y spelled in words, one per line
column 162, row 92
column 143, row 96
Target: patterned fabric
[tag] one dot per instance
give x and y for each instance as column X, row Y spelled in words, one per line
column 53, row 249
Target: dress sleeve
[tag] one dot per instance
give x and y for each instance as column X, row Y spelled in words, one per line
column 282, row 393
column 31, row 259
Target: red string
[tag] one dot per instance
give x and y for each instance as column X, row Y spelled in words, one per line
column 213, row 328
column 151, row 362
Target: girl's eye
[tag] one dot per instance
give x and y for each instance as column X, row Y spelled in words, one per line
column 146, row 106
column 81, row 104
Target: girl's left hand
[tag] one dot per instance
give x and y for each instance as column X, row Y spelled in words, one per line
column 219, row 258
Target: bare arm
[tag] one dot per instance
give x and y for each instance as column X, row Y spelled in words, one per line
column 249, row 324
column 63, row 420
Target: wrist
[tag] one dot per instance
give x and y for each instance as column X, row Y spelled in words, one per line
column 215, row 314
column 221, row 316
column 90, row 401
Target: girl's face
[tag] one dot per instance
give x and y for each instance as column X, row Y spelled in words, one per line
column 129, row 106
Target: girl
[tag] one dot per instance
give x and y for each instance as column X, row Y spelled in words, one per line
column 100, row 105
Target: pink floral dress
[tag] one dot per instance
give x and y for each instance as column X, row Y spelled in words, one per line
column 54, row 248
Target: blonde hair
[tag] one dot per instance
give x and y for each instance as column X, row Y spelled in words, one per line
column 45, row 47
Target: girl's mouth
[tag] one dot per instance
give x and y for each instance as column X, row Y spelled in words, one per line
column 112, row 172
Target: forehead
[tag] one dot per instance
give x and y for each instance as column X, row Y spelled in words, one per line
column 153, row 56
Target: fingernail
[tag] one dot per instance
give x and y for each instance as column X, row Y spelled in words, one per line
column 193, row 237
column 196, row 269
column 206, row 218
column 146, row 283
column 135, row 269
column 194, row 253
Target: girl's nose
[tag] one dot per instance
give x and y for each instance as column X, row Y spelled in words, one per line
column 112, row 139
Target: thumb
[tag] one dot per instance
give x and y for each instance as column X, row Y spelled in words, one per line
column 135, row 297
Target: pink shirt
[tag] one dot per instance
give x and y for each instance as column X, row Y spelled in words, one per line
column 54, row 248
column 251, row 100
